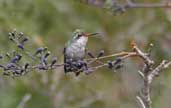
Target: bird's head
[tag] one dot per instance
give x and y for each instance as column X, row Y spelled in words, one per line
column 78, row 33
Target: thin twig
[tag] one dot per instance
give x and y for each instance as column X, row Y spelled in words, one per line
column 147, row 68
column 124, row 56
column 141, row 101
column 129, row 4
column 148, row 75
column 123, row 53
column 164, row 64
column 148, row 5
column 144, row 56
column 24, row 100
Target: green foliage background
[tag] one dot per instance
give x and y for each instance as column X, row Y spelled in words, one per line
column 51, row 22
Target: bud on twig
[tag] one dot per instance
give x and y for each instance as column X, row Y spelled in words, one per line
column 47, row 54
column 117, row 61
column 39, row 50
column 110, row 65
column 54, row 60
column 16, row 58
column 26, row 66
column 101, row 53
column 90, row 54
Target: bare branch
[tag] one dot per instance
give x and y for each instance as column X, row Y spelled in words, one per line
column 141, row 101
column 148, row 5
column 147, row 67
column 144, row 56
column 148, row 75
column 164, row 64
column 117, row 7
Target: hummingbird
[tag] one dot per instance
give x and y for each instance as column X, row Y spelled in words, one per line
column 75, row 51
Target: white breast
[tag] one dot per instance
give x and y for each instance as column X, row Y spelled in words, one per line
column 77, row 49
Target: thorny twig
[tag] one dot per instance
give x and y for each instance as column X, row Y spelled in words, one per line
column 149, row 72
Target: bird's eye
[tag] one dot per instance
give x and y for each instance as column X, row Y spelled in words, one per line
column 79, row 35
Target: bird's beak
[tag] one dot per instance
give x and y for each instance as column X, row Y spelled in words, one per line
column 90, row 34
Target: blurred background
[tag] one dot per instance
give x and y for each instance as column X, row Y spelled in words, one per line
column 51, row 22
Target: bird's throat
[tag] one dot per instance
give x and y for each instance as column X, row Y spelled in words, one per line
column 82, row 41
